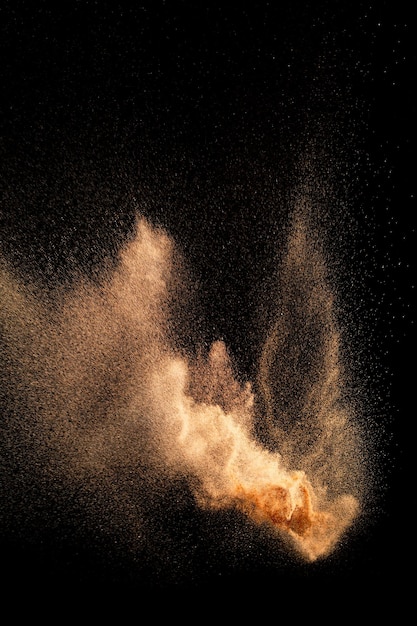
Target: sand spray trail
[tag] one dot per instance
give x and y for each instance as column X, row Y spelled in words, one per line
column 104, row 392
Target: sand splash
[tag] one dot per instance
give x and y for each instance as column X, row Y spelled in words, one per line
column 103, row 389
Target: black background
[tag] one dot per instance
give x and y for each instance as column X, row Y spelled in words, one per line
column 201, row 114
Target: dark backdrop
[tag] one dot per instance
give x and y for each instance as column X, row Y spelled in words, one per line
column 202, row 115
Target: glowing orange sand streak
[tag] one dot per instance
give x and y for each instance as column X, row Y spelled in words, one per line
column 233, row 470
